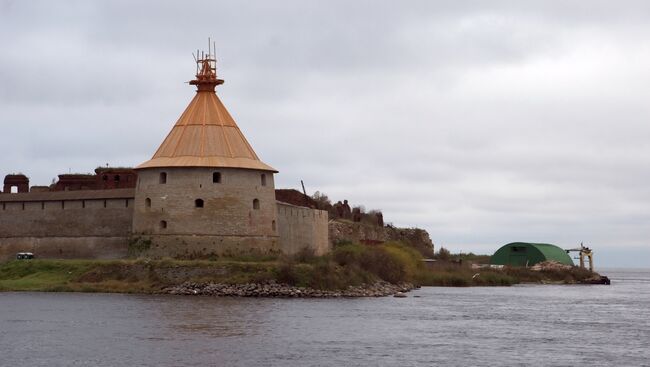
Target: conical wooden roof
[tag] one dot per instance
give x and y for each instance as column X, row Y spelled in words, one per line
column 206, row 135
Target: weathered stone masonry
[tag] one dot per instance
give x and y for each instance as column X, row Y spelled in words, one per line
column 98, row 224
column 301, row 228
column 206, row 211
column 80, row 224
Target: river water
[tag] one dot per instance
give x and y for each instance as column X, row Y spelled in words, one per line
column 505, row 326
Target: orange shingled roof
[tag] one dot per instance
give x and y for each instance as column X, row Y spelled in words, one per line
column 206, row 135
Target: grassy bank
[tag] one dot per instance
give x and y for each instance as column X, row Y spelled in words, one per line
column 347, row 265
column 126, row 276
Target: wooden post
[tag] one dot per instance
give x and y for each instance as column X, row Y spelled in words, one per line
column 304, row 193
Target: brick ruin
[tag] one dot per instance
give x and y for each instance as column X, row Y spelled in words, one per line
column 18, row 182
column 354, row 224
column 295, row 197
column 105, row 178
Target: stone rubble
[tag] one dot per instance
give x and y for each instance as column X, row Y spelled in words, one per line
column 273, row 289
column 550, row 265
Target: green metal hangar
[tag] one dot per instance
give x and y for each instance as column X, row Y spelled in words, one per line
column 528, row 254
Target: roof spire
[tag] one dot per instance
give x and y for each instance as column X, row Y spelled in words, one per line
column 206, row 135
column 206, row 70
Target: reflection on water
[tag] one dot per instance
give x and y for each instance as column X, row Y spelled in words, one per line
column 204, row 316
column 522, row 325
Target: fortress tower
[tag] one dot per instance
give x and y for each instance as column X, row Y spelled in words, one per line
column 205, row 191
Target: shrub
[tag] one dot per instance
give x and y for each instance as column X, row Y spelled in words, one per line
column 348, row 254
column 444, row 279
column 380, row 262
column 443, row 254
column 338, row 243
column 138, row 246
column 392, row 262
column 305, row 255
column 328, row 275
column 322, row 201
column 409, row 258
column 294, row 274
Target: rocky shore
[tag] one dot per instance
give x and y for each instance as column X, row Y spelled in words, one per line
column 272, row 289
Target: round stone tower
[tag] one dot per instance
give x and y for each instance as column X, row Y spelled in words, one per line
column 205, row 192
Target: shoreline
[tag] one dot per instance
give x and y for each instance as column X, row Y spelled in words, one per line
column 347, row 274
column 277, row 290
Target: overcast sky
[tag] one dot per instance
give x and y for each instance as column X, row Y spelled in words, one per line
column 482, row 122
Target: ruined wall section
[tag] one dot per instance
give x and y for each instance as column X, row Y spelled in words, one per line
column 344, row 230
column 302, row 227
column 18, row 181
column 80, row 224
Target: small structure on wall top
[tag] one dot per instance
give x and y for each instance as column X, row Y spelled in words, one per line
column 16, row 183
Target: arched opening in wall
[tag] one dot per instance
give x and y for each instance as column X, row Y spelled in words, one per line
column 23, row 205
column 263, row 177
column 105, row 178
column 126, row 203
column 256, row 204
column 105, row 204
column 198, row 203
column 216, row 177
column 62, row 204
column 116, row 178
column 273, row 225
column 163, row 178
column 147, row 203
column 42, row 205
column 83, row 204
column 163, row 224
column 13, row 189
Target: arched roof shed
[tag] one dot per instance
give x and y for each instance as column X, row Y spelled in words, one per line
column 528, row 254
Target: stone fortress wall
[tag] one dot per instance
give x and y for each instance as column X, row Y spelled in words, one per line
column 302, row 227
column 100, row 223
column 66, row 224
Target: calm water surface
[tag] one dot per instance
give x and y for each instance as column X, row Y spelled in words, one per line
column 516, row 326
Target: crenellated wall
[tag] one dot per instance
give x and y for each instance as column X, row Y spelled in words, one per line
column 74, row 224
column 301, row 227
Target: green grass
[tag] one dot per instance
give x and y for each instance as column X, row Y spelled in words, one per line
column 464, row 277
column 40, row 274
column 127, row 276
